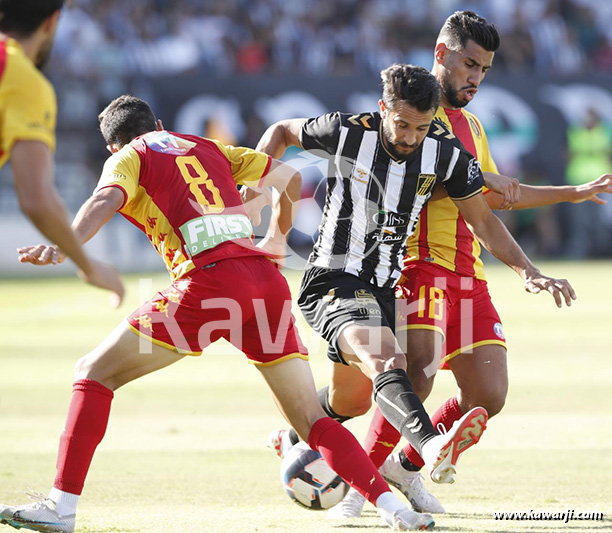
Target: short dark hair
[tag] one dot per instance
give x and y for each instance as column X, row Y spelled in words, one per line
column 411, row 84
column 462, row 26
column 23, row 17
column 126, row 118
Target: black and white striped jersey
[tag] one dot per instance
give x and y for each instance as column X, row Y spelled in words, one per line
column 373, row 201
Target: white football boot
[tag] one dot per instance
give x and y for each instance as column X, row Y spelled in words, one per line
column 350, row 507
column 38, row 516
column 410, row 484
column 442, row 452
column 406, row 520
column 280, row 441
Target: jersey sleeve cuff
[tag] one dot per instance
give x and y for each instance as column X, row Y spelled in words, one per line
column 125, row 195
column 479, row 191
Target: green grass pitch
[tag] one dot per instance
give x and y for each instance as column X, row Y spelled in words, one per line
column 184, row 450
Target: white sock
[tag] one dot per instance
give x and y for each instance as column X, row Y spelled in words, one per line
column 389, row 502
column 65, row 502
column 431, row 449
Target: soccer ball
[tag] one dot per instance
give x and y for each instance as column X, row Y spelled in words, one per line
column 308, row 479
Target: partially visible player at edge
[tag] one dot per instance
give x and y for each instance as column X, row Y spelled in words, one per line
column 181, row 191
column 27, row 129
column 383, row 167
column 443, row 267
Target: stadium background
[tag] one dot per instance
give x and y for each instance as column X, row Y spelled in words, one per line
column 229, row 69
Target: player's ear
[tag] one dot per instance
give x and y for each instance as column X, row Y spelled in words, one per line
column 50, row 23
column 383, row 109
column 440, row 53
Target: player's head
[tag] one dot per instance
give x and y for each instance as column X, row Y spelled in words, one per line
column 464, row 53
column 409, row 101
column 21, row 19
column 124, row 119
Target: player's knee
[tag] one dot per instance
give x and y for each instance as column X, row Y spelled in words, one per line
column 494, row 402
column 421, row 384
column 492, row 399
column 355, row 407
column 83, row 368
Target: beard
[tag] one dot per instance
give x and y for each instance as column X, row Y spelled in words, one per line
column 450, row 93
column 392, row 147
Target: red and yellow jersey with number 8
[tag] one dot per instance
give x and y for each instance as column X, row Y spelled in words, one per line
column 181, row 191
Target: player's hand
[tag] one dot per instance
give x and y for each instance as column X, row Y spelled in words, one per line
column 509, row 188
column 559, row 288
column 106, row 277
column 254, row 201
column 276, row 248
column 41, row 255
column 589, row 191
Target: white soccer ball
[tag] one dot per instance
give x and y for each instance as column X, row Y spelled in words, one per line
column 308, row 479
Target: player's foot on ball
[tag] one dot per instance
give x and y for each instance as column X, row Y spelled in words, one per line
column 410, row 484
column 407, row 520
column 38, row 516
column 350, row 506
column 442, row 452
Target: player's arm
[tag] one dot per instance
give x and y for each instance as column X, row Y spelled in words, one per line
column 278, row 137
column 497, row 239
column 33, row 176
column 288, row 184
column 538, row 196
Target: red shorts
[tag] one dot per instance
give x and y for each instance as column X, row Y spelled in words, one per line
column 244, row 300
column 459, row 307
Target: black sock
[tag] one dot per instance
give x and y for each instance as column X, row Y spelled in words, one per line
column 324, row 401
column 401, row 406
column 406, row 463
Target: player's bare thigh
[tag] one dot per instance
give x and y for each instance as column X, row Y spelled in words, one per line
column 122, row 357
column 294, row 391
column 482, row 378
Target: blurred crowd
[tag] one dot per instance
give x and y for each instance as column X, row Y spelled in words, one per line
column 99, row 38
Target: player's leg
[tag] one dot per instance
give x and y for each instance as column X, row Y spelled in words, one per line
column 292, row 385
column 113, row 363
column 420, row 346
column 401, row 406
column 482, row 378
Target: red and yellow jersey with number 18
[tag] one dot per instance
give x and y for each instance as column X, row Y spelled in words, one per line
column 442, row 236
column 181, row 191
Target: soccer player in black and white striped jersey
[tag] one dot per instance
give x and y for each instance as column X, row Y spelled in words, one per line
column 382, row 170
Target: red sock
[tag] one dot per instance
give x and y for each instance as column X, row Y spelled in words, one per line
column 85, row 426
column 346, row 457
column 382, row 437
column 448, row 413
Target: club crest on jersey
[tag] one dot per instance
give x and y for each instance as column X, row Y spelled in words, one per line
column 475, row 127
column 425, row 184
column 364, row 297
column 473, row 170
column 166, row 143
column 499, row 330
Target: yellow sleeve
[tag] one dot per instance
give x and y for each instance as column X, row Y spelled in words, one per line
column 248, row 166
column 122, row 170
column 486, row 159
column 30, row 110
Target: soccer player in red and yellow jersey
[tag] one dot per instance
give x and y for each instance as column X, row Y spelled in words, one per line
column 181, row 191
column 27, row 128
column 450, row 311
